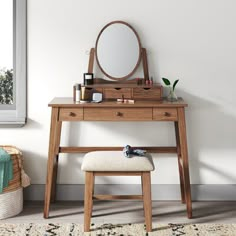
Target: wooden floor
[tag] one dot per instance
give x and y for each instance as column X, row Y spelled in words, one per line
column 128, row 212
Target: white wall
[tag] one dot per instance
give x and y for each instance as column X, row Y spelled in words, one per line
column 194, row 41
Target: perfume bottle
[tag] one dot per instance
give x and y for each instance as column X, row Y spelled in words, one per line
column 151, row 81
column 77, row 92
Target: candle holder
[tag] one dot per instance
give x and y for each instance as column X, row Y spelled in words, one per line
column 88, row 78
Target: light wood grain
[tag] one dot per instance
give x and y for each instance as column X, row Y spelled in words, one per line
column 55, row 166
column 63, row 109
column 117, row 114
column 91, row 60
column 118, row 197
column 71, row 114
column 184, row 155
column 88, row 199
column 90, row 196
column 132, row 83
column 147, row 201
column 145, row 64
column 128, row 91
column 51, row 156
column 91, row 149
column 69, row 103
column 117, row 92
column 117, row 173
column 149, row 93
column 181, row 177
column 165, row 114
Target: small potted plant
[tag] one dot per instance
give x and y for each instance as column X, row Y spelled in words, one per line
column 171, row 96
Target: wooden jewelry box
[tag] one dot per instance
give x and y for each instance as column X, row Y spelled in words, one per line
column 113, row 91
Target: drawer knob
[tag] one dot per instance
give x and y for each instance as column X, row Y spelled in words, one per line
column 167, row 113
column 72, row 114
column 119, row 113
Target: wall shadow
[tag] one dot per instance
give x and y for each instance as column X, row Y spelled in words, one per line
column 211, row 132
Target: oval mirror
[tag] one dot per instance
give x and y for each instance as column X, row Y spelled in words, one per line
column 118, row 50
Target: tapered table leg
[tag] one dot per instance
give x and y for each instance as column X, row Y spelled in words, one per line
column 180, row 163
column 52, row 152
column 184, row 157
column 55, row 166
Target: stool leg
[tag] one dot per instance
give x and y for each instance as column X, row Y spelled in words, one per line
column 88, row 199
column 91, row 211
column 147, row 201
column 142, row 192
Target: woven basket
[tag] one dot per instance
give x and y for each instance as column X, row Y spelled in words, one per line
column 11, row 203
column 16, row 157
column 11, row 200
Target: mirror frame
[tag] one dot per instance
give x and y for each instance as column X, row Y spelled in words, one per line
column 140, row 51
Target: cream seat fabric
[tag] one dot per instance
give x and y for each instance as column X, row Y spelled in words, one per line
column 116, row 161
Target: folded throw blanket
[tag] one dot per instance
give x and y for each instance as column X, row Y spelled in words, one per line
column 6, row 169
column 128, row 151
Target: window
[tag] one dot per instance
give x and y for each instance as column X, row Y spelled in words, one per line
column 13, row 62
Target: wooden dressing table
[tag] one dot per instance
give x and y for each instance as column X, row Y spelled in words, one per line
column 64, row 109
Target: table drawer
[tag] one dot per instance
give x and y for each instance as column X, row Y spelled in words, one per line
column 152, row 93
column 71, row 114
column 118, row 114
column 114, row 93
column 165, row 114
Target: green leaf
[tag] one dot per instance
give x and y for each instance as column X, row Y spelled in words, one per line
column 175, row 83
column 166, row 81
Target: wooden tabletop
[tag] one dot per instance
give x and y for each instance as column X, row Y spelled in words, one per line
column 68, row 102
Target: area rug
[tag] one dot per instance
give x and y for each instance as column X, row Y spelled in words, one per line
column 71, row 229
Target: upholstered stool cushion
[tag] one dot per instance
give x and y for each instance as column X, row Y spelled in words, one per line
column 116, row 161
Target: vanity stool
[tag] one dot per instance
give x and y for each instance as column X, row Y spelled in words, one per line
column 114, row 163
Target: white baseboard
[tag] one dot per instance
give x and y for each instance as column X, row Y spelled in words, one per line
column 162, row 192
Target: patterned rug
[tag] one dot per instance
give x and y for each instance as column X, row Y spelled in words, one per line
column 71, row 229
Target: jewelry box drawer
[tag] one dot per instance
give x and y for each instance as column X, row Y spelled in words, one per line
column 165, row 114
column 114, row 93
column 117, row 114
column 71, row 114
column 148, row 93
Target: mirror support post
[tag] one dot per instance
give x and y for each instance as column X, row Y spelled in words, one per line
column 91, row 60
column 145, row 64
